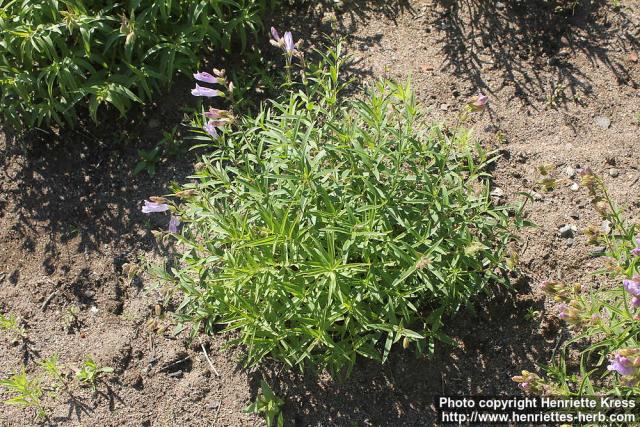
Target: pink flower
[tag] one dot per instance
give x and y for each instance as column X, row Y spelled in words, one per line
column 205, row 91
column 151, row 207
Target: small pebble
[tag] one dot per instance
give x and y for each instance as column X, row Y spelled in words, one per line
column 603, row 122
column 444, row 107
column 571, row 172
column 497, row 192
column 537, row 197
column 614, row 172
column 598, row 251
column 567, row 231
column 575, row 186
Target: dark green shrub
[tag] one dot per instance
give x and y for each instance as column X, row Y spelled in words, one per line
column 57, row 55
column 329, row 227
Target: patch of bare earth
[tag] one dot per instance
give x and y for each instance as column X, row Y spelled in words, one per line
column 563, row 93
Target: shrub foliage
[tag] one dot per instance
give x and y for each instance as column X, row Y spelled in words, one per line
column 329, row 227
column 56, row 55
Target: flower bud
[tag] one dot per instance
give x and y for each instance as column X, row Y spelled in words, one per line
column 183, row 194
column 602, row 208
column 158, row 199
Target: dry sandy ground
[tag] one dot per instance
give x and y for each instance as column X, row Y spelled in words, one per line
column 563, row 93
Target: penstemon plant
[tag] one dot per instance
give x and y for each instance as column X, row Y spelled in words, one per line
column 57, row 57
column 327, row 227
column 604, row 322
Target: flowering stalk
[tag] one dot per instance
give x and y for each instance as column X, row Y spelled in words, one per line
column 475, row 105
column 214, row 118
column 559, row 291
column 289, row 48
column 531, row 383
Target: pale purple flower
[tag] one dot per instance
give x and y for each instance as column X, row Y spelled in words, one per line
column 151, row 207
column 203, row 76
column 632, row 286
column 210, row 128
column 525, row 386
column 289, row 45
column 622, row 365
column 275, row 35
column 205, row 91
column 563, row 311
column 481, row 100
column 635, row 301
column 636, row 251
column 174, row 222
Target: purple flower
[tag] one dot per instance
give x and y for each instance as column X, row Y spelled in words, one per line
column 151, row 207
column 635, row 301
column 622, row 365
column 636, row 251
column 563, row 311
column 481, row 100
column 632, row 286
column 210, row 128
column 174, row 222
column 274, row 34
column 205, row 77
column 289, row 45
column 563, row 314
column 205, row 91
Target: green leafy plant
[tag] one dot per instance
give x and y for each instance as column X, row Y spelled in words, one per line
column 604, row 321
column 328, row 227
column 269, row 405
column 57, row 56
column 12, row 325
column 169, row 146
column 91, row 372
column 27, row 393
column 54, row 370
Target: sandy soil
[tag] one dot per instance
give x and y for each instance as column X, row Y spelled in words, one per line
column 563, row 94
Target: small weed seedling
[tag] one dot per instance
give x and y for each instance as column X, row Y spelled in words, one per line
column 28, row 393
column 70, row 319
column 11, row 325
column 91, row 372
column 54, row 370
column 269, row 405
